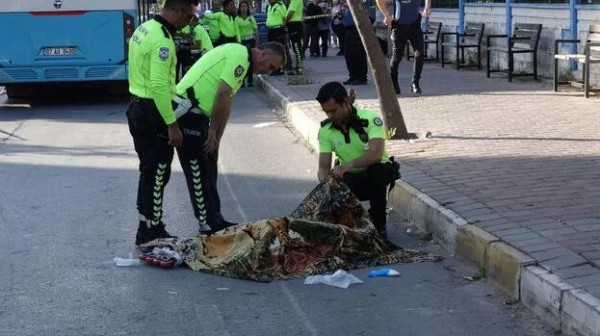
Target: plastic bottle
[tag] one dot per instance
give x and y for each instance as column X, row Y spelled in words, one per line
column 383, row 272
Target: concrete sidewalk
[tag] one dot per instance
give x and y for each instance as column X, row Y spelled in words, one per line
column 509, row 179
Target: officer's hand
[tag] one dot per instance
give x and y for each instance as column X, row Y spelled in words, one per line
column 211, row 144
column 175, row 136
column 339, row 171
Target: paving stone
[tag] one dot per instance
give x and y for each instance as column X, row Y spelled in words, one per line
column 586, row 280
column 524, row 244
column 578, row 271
column 551, row 254
column 564, row 262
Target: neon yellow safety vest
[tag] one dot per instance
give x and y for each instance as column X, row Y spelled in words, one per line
column 152, row 63
column 228, row 63
column 333, row 140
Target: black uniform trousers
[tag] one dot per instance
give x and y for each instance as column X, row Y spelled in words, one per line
column 184, row 62
column 401, row 33
column 371, row 184
column 200, row 170
column 296, row 32
column 340, row 32
column 356, row 57
column 224, row 39
column 278, row 34
column 151, row 142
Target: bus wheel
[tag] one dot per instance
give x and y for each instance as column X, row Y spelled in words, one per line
column 19, row 91
column 118, row 88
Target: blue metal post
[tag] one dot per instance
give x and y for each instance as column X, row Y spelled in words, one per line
column 573, row 29
column 508, row 17
column 461, row 16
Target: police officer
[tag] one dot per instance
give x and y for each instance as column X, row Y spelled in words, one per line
column 248, row 31
column 293, row 22
column 229, row 31
column 276, row 14
column 210, row 85
column 150, row 114
column 406, row 26
column 356, row 136
column 211, row 24
column 354, row 52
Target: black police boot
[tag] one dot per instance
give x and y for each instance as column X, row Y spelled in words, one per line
column 147, row 234
column 416, row 88
column 349, row 81
column 141, row 237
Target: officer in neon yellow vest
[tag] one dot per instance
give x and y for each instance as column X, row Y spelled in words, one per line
column 150, row 115
column 276, row 13
column 210, row 85
column 248, row 31
column 293, row 22
column 357, row 137
column 229, row 31
column 211, row 24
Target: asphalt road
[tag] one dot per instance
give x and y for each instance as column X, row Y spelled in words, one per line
column 68, row 176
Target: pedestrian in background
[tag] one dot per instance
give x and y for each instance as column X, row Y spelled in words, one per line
column 311, row 33
column 406, row 26
column 150, row 116
column 337, row 26
column 324, row 25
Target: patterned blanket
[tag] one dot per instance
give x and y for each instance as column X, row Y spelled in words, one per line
column 329, row 230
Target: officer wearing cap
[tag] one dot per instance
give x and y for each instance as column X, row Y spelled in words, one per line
column 150, row 114
column 357, row 137
column 210, row 85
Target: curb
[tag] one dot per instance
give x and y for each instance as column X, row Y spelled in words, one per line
column 562, row 305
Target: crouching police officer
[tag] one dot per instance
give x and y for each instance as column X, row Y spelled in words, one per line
column 209, row 86
column 356, row 136
column 150, row 115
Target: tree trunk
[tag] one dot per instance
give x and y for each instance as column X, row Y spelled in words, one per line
column 390, row 108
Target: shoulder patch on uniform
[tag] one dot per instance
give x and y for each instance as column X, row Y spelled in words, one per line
column 163, row 53
column 239, row 71
column 377, row 121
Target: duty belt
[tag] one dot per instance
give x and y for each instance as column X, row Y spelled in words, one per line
column 248, row 38
column 275, row 27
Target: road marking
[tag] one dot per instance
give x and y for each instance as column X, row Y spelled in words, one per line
column 298, row 309
column 284, row 288
column 235, row 200
column 264, row 124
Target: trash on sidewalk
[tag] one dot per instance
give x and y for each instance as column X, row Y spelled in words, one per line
column 127, row 261
column 340, row 279
column 383, row 272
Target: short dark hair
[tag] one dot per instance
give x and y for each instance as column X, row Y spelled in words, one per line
column 275, row 48
column 333, row 90
column 177, row 4
column 225, row 3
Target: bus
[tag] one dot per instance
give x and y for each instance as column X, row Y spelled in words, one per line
column 66, row 41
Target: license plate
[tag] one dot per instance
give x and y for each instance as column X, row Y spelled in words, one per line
column 62, row 51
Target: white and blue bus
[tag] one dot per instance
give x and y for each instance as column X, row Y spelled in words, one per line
column 58, row 41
